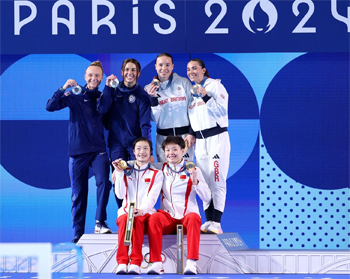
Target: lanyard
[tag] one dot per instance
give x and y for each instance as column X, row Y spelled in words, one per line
column 168, row 85
column 121, row 86
column 182, row 169
column 77, row 90
column 129, row 172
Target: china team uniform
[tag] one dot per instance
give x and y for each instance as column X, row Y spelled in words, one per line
column 143, row 188
column 87, row 148
column 170, row 112
column 209, row 121
column 178, row 206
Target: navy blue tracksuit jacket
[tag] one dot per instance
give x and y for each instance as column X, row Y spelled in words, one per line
column 87, row 148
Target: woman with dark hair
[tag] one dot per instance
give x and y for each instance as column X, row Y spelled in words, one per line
column 181, row 185
column 208, row 113
column 170, row 97
column 139, row 183
column 128, row 113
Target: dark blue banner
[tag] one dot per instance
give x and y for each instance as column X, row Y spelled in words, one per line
column 180, row 26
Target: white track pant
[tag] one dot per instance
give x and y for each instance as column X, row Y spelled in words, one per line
column 213, row 158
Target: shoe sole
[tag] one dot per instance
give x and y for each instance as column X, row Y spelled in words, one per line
column 211, row 232
column 121, row 273
column 155, row 273
column 190, row 273
column 133, row 273
column 214, row 232
column 103, row 232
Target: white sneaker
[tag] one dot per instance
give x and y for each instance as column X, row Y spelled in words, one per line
column 102, row 227
column 156, row 268
column 134, row 269
column 214, row 228
column 121, row 269
column 191, row 267
column 205, row 226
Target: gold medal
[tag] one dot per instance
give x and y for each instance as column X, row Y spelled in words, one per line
column 122, row 164
column 190, row 165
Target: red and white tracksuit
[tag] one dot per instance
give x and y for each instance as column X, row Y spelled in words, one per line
column 171, row 113
column 178, row 206
column 143, row 188
column 209, row 119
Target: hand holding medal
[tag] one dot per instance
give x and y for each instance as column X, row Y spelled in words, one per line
column 191, row 169
column 112, row 81
column 198, row 91
column 153, row 88
column 71, row 86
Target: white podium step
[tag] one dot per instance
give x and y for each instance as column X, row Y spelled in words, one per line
column 99, row 253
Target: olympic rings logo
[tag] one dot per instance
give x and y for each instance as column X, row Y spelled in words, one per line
column 146, row 259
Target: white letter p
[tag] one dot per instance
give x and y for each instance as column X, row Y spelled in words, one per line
column 19, row 24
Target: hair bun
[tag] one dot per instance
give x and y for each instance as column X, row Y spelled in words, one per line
column 96, row 63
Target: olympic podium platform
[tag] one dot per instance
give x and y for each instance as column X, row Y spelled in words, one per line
column 216, row 256
column 229, row 255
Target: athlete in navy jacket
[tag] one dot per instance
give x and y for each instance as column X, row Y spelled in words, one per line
column 128, row 112
column 87, row 148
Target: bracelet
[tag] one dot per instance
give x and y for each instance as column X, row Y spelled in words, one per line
column 62, row 90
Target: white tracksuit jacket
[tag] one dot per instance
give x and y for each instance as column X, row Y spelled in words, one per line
column 141, row 187
column 205, row 115
column 178, row 195
column 172, row 110
column 213, row 151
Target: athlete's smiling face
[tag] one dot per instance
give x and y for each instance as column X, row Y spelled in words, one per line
column 164, row 67
column 93, row 77
column 130, row 74
column 142, row 152
column 195, row 72
column 173, row 153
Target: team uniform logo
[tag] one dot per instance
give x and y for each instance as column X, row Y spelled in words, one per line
column 132, row 99
column 216, row 171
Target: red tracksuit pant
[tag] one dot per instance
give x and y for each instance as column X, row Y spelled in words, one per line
column 140, row 226
column 162, row 223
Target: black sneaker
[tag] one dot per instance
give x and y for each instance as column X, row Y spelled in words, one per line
column 76, row 239
column 102, row 227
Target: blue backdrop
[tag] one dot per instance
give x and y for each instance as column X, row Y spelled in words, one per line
column 285, row 65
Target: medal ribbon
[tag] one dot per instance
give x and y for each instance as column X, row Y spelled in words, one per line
column 168, row 85
column 183, row 169
column 121, row 86
column 83, row 90
column 129, row 172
